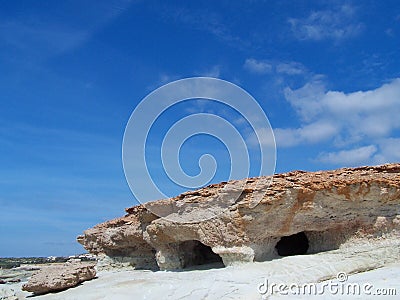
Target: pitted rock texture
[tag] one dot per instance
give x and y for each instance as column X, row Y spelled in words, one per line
column 329, row 208
column 57, row 277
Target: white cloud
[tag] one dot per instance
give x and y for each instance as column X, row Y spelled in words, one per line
column 334, row 24
column 257, row 66
column 311, row 133
column 364, row 117
column 372, row 113
column 389, row 151
column 357, row 156
column 306, row 100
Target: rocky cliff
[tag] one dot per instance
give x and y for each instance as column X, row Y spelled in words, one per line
column 295, row 213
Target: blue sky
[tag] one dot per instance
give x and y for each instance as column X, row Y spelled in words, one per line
column 326, row 73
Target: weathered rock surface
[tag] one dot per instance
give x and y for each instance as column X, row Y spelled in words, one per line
column 57, row 277
column 329, row 208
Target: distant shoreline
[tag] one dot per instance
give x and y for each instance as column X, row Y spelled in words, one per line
column 14, row 262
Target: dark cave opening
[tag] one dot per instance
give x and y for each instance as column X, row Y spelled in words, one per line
column 195, row 253
column 295, row 244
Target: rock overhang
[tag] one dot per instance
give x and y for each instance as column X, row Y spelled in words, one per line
column 330, row 207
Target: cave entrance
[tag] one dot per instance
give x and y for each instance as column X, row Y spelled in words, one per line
column 194, row 253
column 295, row 244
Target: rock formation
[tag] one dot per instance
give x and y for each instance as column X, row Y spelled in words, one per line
column 298, row 212
column 57, row 277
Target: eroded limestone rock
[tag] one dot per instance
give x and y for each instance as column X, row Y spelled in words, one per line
column 57, row 277
column 330, row 208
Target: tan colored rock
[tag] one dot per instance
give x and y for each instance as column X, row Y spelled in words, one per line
column 120, row 242
column 57, row 277
column 331, row 208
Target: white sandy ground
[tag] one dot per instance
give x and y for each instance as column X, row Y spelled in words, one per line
column 245, row 281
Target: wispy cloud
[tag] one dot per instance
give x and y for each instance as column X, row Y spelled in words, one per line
column 257, row 66
column 206, row 20
column 40, row 38
column 336, row 24
column 291, row 68
column 263, row 66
